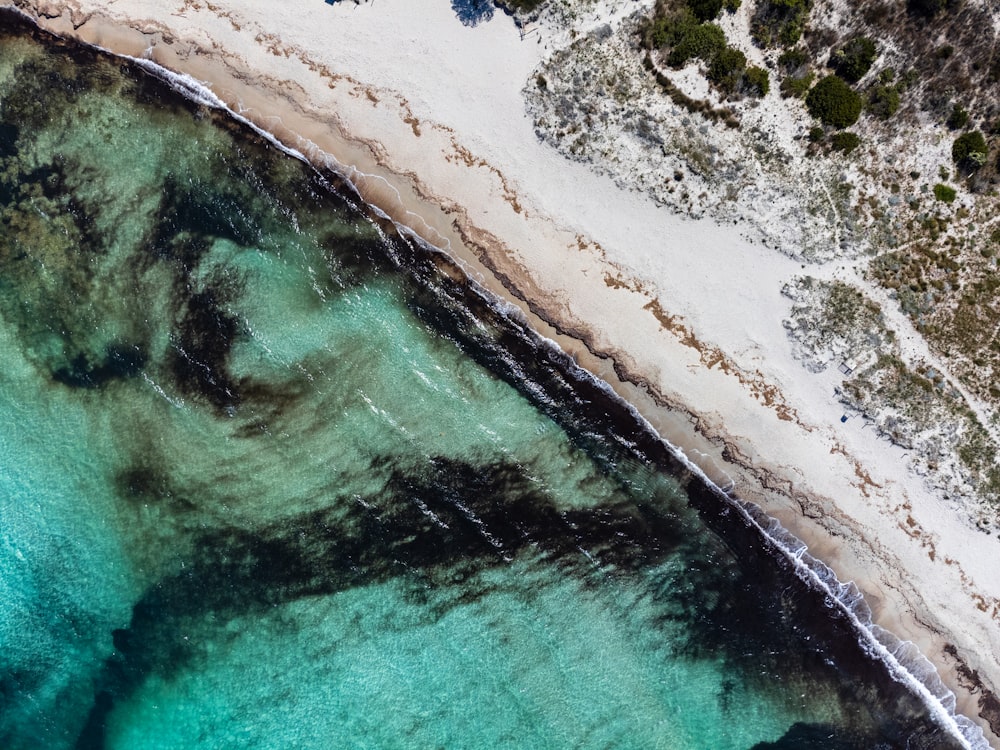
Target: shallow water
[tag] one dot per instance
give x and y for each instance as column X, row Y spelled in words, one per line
column 273, row 476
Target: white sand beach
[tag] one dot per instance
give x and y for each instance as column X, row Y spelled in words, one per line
column 682, row 317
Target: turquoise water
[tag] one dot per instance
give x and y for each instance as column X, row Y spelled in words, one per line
column 272, row 476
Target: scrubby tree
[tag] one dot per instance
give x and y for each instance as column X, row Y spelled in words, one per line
column 703, row 41
column 930, row 8
column 854, row 59
column 958, row 118
column 756, row 81
column 944, row 193
column 969, row 150
column 833, row 102
column 779, row 22
column 727, row 69
column 883, row 101
column 793, row 59
column 797, row 86
column 705, row 10
column 845, row 142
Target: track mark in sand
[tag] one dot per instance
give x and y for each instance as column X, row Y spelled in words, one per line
column 712, row 357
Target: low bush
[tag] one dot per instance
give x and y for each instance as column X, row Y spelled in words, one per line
column 845, row 142
column 944, row 193
column 663, row 31
column 854, row 59
column 779, row 22
column 705, row 10
column 793, row 59
column 756, row 81
column 969, row 150
column 727, row 68
column 522, row 5
column 883, row 101
column 797, row 86
column 958, row 118
column 704, row 41
column 930, row 8
column 833, row 102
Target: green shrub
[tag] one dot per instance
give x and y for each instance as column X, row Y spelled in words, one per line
column 727, row 68
column 907, row 79
column 793, row 59
column 524, row 5
column 779, row 22
column 798, row 87
column 845, row 142
column 705, row 10
column 756, row 81
column 944, row 193
column 704, row 40
column 816, row 134
column 668, row 30
column 930, row 8
column 958, row 118
column 883, row 101
column 731, row 6
column 969, row 150
column 790, row 33
column 854, row 59
column 833, row 102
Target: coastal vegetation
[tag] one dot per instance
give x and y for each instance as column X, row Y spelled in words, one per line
column 969, row 150
column 833, row 102
column 944, row 193
column 521, row 5
column 854, row 59
column 686, row 32
column 885, row 158
column 779, row 22
column 883, row 100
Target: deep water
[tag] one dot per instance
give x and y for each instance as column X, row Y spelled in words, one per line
column 273, row 476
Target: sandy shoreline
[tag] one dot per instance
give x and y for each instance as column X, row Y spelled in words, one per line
column 682, row 317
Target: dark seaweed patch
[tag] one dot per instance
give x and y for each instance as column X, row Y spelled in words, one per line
column 120, row 362
column 435, row 529
column 199, row 355
column 142, row 484
column 63, row 77
column 8, row 139
column 201, row 210
column 817, row 737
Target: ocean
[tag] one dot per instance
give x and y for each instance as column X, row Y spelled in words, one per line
column 275, row 474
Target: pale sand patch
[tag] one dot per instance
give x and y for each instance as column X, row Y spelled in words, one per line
column 426, row 117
